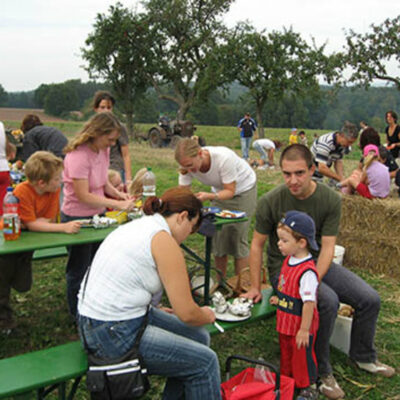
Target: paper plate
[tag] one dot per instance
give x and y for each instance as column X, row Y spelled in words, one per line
column 212, row 210
column 228, row 317
column 230, row 214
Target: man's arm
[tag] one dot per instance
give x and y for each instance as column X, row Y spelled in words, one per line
column 326, row 171
column 339, row 169
column 255, row 263
column 326, row 255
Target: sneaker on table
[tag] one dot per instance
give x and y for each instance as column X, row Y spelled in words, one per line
column 330, row 388
column 377, row 368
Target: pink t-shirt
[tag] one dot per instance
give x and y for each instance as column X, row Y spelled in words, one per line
column 379, row 179
column 84, row 163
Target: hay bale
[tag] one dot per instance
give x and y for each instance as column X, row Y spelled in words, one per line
column 370, row 232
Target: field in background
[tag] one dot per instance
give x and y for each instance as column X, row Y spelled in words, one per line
column 43, row 320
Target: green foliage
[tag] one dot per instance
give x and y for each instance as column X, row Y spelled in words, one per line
column 60, row 99
column 120, row 51
column 272, row 65
column 185, row 33
column 3, row 96
column 368, row 53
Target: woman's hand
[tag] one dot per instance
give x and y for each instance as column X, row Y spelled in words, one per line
column 72, row 227
column 125, row 205
column 203, row 196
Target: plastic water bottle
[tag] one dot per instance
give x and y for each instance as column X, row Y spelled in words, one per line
column 11, row 221
column 149, row 183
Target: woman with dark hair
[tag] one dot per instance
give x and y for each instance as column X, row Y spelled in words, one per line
column 130, row 267
column 40, row 137
column 392, row 133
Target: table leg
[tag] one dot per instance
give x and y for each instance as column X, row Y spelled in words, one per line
column 207, row 270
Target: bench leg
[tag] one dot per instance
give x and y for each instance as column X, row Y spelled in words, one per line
column 74, row 387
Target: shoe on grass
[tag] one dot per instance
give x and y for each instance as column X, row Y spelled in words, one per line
column 330, row 388
column 310, row 393
column 377, row 368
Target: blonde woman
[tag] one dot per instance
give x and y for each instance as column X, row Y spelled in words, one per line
column 86, row 185
column 233, row 187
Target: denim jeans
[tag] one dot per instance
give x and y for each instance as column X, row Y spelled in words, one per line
column 341, row 285
column 245, row 143
column 79, row 259
column 169, row 348
column 260, row 149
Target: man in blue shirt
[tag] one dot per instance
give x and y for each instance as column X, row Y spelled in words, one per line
column 247, row 127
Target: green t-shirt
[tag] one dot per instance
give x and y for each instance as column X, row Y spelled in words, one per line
column 324, row 206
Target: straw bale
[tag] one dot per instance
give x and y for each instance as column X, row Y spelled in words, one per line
column 370, row 233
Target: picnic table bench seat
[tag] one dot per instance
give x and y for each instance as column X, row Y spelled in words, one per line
column 50, row 369
column 50, row 253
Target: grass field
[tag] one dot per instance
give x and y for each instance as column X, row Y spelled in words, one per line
column 43, row 320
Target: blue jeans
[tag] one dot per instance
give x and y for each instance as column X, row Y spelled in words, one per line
column 245, row 143
column 341, row 285
column 169, row 348
column 260, row 149
column 79, row 259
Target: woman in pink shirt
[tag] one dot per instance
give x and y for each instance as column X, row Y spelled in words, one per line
column 86, row 185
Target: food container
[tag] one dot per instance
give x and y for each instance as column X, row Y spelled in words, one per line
column 119, row 216
column 339, row 254
column 340, row 338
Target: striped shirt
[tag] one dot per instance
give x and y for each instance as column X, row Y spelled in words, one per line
column 325, row 149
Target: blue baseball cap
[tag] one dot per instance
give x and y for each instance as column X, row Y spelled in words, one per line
column 301, row 223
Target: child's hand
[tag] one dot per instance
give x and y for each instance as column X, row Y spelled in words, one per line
column 273, row 300
column 72, row 227
column 302, row 338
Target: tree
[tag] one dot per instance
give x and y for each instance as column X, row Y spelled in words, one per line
column 60, row 99
column 369, row 53
column 3, row 96
column 119, row 50
column 274, row 64
column 185, row 35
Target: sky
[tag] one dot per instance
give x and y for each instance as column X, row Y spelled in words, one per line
column 40, row 40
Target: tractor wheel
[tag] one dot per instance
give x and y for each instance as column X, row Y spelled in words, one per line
column 174, row 141
column 155, row 139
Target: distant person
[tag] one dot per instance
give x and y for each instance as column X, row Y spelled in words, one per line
column 40, row 137
column 266, row 148
column 392, row 133
column 293, row 139
column 302, row 138
column 247, row 128
column 39, row 209
column 375, row 178
column 363, row 126
column 120, row 159
column 4, row 168
column 329, row 150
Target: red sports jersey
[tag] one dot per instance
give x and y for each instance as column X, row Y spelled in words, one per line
column 290, row 306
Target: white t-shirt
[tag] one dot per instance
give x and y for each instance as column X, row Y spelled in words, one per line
column 308, row 282
column 3, row 158
column 226, row 167
column 123, row 276
column 266, row 143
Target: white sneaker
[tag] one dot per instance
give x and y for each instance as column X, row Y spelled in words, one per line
column 377, row 368
column 330, row 388
column 263, row 167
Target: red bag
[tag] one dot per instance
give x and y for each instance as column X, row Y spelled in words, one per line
column 243, row 386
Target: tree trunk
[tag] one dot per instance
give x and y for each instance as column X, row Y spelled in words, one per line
column 183, row 109
column 259, row 108
column 129, row 126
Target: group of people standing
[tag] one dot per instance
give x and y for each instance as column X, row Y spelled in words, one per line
column 298, row 220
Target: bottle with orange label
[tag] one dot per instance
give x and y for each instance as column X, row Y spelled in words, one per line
column 11, row 221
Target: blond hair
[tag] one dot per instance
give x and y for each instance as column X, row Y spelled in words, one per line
column 99, row 125
column 369, row 159
column 112, row 173
column 42, row 165
column 187, row 147
column 135, row 188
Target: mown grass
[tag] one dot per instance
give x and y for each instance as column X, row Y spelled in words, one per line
column 43, row 320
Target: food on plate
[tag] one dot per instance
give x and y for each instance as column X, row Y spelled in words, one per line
column 227, row 214
column 345, row 310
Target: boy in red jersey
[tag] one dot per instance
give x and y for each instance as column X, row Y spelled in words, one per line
column 297, row 315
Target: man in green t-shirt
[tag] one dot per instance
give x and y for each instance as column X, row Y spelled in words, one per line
column 337, row 284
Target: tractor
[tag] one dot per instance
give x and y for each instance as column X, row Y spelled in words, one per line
column 167, row 134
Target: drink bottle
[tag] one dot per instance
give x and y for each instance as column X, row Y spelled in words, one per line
column 11, row 221
column 149, row 183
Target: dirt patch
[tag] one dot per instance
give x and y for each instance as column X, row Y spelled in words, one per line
column 18, row 114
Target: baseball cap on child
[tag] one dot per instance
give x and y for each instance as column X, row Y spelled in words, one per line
column 293, row 130
column 370, row 147
column 301, row 223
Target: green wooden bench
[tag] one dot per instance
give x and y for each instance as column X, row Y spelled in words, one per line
column 46, row 370
column 50, row 253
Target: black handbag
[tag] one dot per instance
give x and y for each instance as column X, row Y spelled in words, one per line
column 122, row 378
